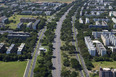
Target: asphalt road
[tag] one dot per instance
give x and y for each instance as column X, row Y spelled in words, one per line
column 35, row 57
column 29, row 62
column 80, row 56
column 74, row 42
column 56, row 72
column 37, row 51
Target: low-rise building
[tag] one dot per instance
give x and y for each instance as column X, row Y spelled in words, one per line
column 99, row 25
column 80, row 20
column 48, row 13
column 20, row 48
column 18, row 35
column 11, row 49
column 86, row 20
column 19, row 25
column 35, row 24
column 114, row 20
column 26, row 12
column 27, row 20
column 3, row 20
column 29, row 25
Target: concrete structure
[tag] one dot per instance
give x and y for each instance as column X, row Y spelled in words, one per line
column 48, row 13
column 86, row 20
column 27, row 12
column 35, row 24
column 98, row 34
column 107, row 72
column 20, row 48
column 27, row 20
column 101, row 49
column 80, row 20
column 112, row 13
column 114, row 26
column 10, row 49
column 3, row 19
column 105, row 39
column 42, row 49
column 114, row 20
column 101, row 19
column 19, row 25
column 18, row 35
column 2, row 25
column 90, row 46
column 113, row 49
column 112, row 38
column 29, row 25
column 103, row 24
column 6, row 31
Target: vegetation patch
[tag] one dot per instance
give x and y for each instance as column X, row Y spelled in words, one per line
column 12, row 69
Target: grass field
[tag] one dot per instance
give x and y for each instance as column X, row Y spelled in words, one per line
column 12, row 69
column 63, row 1
column 16, row 18
column 104, row 65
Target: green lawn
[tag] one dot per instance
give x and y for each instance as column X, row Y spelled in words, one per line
column 104, row 64
column 16, row 18
column 63, row 1
column 12, row 69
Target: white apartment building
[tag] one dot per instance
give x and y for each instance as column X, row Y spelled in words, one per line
column 80, row 20
column 90, row 46
column 101, row 49
column 20, row 48
column 105, row 39
column 112, row 38
column 114, row 20
column 86, row 20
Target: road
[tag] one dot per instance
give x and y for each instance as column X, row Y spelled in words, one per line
column 36, row 54
column 35, row 57
column 29, row 62
column 56, row 72
column 74, row 42
column 79, row 55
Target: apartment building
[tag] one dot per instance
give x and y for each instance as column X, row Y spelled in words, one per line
column 20, row 48
column 90, row 46
column 105, row 39
column 101, row 49
column 107, row 72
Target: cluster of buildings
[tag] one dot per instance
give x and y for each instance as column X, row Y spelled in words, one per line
column 107, row 72
column 13, row 48
column 108, row 38
column 43, row 8
column 30, row 8
column 98, row 24
column 94, row 51
column 32, row 23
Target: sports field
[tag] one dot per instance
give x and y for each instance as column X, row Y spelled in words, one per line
column 12, row 69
